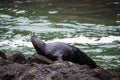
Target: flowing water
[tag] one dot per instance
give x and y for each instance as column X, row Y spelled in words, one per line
column 91, row 25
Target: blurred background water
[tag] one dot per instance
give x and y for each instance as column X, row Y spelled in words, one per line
column 91, row 25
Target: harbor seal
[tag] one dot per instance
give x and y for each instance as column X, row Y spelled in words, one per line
column 61, row 51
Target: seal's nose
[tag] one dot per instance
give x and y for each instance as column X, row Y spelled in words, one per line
column 34, row 39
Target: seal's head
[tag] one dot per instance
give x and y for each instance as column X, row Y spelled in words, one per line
column 38, row 44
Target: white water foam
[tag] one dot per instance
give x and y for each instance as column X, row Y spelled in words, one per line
column 81, row 39
column 16, row 43
column 52, row 12
column 21, row 12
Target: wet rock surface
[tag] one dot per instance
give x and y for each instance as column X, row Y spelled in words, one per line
column 36, row 67
column 39, row 59
column 16, row 56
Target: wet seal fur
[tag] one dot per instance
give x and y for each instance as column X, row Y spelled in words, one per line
column 61, row 51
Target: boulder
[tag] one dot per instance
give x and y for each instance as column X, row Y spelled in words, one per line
column 40, row 59
column 16, row 56
column 41, row 68
column 2, row 55
column 2, row 58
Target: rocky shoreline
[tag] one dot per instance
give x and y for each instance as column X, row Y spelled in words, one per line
column 16, row 66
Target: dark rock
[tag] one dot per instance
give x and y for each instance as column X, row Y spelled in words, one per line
column 2, row 58
column 28, row 77
column 101, row 73
column 2, row 55
column 59, row 70
column 115, row 73
column 16, row 56
column 10, row 71
column 1, row 61
column 40, row 59
column 56, row 71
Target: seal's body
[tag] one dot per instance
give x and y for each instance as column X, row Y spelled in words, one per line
column 61, row 51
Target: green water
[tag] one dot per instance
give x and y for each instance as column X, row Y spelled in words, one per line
column 91, row 25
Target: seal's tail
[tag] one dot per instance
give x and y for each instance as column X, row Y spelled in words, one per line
column 85, row 59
